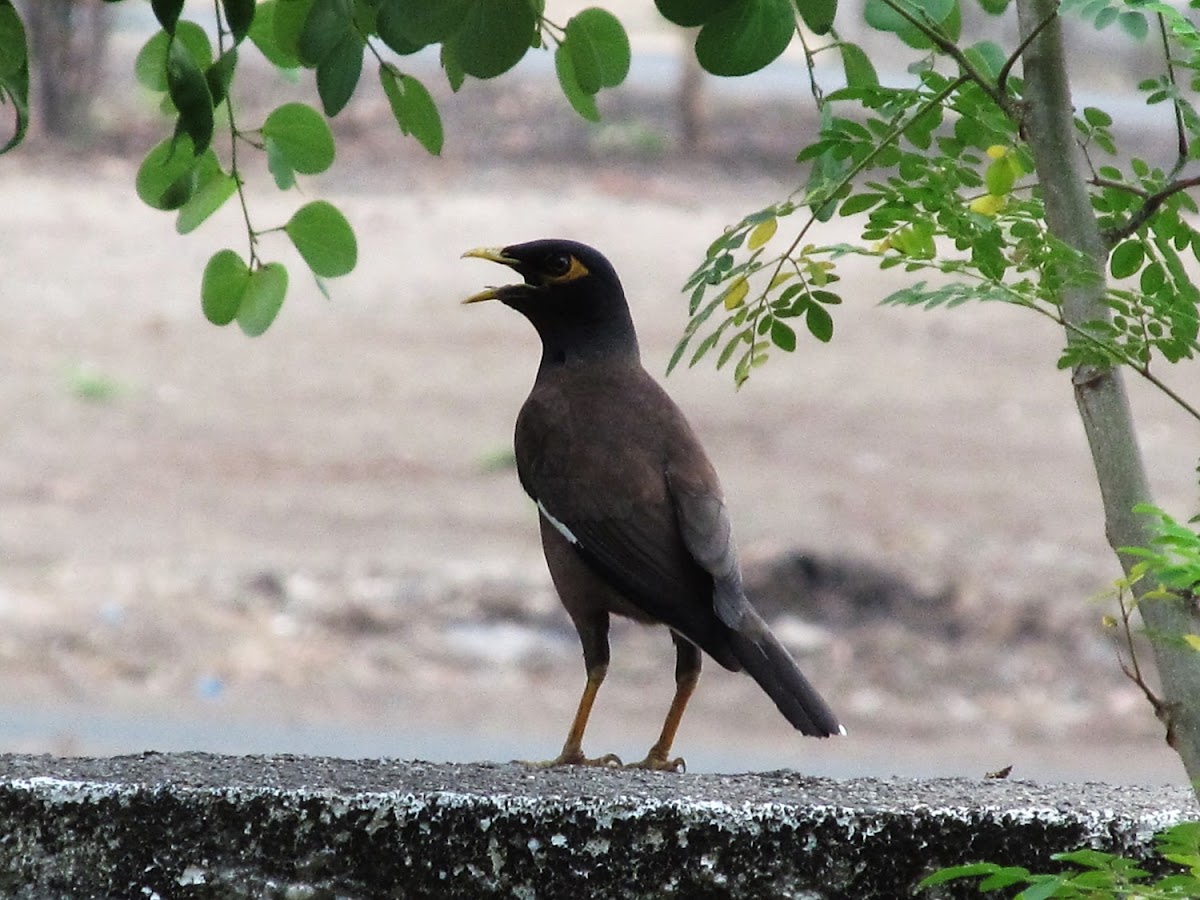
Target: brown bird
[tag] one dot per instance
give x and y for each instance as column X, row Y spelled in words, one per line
column 631, row 512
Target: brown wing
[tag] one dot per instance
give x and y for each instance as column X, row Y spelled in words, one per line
column 604, row 455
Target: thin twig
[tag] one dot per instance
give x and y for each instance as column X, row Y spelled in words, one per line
column 1148, row 208
column 1006, row 69
column 1180, row 128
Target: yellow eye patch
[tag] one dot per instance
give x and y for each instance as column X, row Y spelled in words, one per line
column 574, row 272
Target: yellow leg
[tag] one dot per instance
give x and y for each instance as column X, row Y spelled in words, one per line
column 658, row 757
column 572, row 751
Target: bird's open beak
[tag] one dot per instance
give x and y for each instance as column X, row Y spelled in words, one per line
column 492, row 254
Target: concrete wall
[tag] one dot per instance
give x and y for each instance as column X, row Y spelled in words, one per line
column 201, row 826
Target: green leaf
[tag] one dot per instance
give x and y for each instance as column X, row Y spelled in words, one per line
column 689, row 13
column 14, row 50
column 994, row 7
column 988, row 57
column 418, row 23
column 819, row 322
column 581, row 101
column 860, row 72
column 222, row 287
column 289, row 21
column 167, row 12
column 14, row 71
column 1000, row 176
column 165, row 177
column 281, row 170
column 493, row 37
column 1134, row 24
column 190, row 95
column 954, row 873
column 455, row 76
column 599, row 48
column 1127, row 258
column 817, row 14
column 783, row 336
column 324, row 238
column 1097, row 118
column 327, row 26
column 882, row 17
column 213, row 186
column 338, row 73
column 239, row 16
column 264, row 36
column 413, row 107
column 745, row 36
column 219, row 76
column 150, row 67
column 262, row 298
column 302, row 137
column 857, row 203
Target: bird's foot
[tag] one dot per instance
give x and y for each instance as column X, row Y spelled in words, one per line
column 658, row 762
column 576, row 758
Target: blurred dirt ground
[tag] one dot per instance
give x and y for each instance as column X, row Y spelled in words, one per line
column 311, row 542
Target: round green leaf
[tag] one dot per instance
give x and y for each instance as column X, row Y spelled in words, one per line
column 581, row 101
column 599, row 49
column 413, row 108
column 225, row 280
column 1127, row 258
column 338, row 73
column 263, row 34
column 494, row 36
column 302, row 137
column 165, row 178
column 262, row 298
column 689, row 13
column 324, row 238
column 745, row 36
column 418, row 23
column 1153, row 278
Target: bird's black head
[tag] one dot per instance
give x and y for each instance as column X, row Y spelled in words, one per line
column 570, row 293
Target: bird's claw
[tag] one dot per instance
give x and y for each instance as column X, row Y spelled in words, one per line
column 659, row 763
column 607, row 761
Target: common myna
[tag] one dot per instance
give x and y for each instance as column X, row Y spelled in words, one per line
column 631, row 512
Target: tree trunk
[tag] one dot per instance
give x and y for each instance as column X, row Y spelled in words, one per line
column 68, row 42
column 1100, row 391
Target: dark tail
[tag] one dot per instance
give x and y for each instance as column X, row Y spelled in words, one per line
column 768, row 663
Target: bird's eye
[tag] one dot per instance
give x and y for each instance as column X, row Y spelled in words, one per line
column 558, row 264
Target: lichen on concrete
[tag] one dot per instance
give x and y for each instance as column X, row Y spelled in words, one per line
column 207, row 827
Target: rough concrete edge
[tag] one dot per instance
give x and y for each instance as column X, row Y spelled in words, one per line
column 183, row 840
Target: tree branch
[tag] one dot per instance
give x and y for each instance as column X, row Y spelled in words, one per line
column 1148, row 208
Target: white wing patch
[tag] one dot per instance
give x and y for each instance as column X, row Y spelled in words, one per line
column 558, row 526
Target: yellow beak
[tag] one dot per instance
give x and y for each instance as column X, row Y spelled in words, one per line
column 491, row 254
